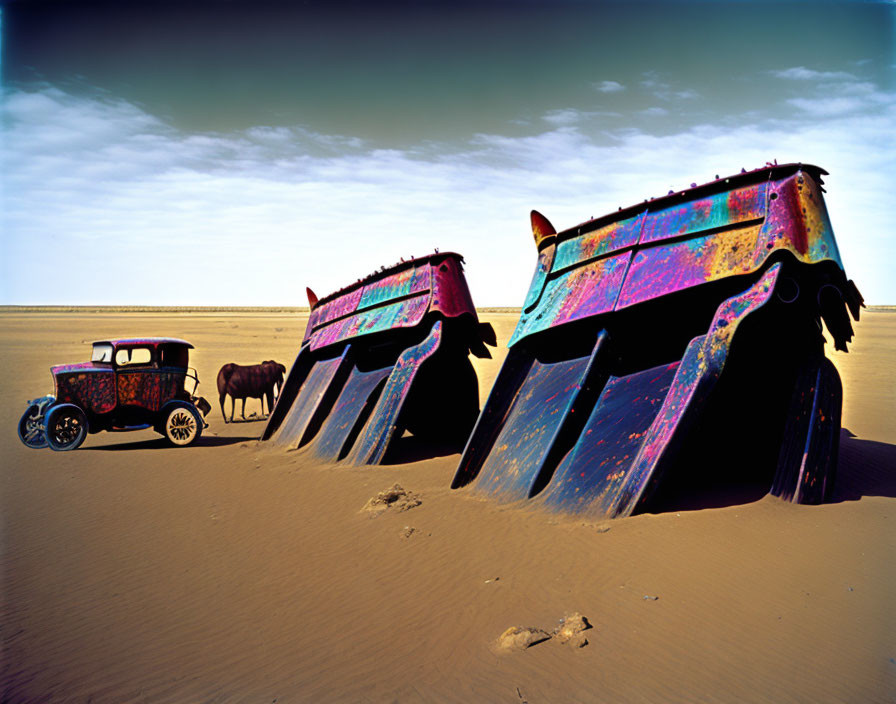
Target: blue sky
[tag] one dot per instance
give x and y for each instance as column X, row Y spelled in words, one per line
column 227, row 153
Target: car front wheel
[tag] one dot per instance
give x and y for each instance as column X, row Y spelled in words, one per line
column 66, row 427
column 183, row 425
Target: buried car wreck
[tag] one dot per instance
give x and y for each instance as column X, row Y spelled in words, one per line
column 129, row 384
column 671, row 345
column 381, row 357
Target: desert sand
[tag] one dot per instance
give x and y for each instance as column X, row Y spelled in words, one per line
column 227, row 572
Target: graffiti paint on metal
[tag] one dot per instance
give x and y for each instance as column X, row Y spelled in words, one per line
column 379, row 429
column 598, row 437
column 731, row 233
column 362, row 355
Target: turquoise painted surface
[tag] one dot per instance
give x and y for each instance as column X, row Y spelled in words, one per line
column 599, row 242
column 576, row 294
column 730, row 233
column 404, row 313
column 401, row 284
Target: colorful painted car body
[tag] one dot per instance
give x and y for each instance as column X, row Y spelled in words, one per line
column 672, row 346
column 386, row 355
column 129, row 384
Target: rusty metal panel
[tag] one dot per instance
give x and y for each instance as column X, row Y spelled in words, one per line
column 807, row 461
column 450, row 294
column 798, row 221
column 405, row 313
column 582, row 292
column 719, row 210
column 341, row 424
column 382, row 425
column 667, row 268
column 400, row 284
column 589, row 474
column 396, row 299
column 546, row 395
column 695, row 297
column 678, row 242
column 311, row 397
column 595, row 243
column 700, row 368
column 90, row 386
column 138, row 387
column 330, row 310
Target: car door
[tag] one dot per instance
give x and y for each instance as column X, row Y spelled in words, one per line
column 138, row 380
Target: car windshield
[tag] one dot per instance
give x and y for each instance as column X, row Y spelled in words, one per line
column 102, row 352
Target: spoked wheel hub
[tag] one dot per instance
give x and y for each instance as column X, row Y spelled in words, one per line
column 182, row 427
column 67, row 430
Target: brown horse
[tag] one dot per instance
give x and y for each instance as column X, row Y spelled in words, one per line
column 261, row 381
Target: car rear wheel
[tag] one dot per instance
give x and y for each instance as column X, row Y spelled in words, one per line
column 31, row 428
column 66, row 427
column 183, row 425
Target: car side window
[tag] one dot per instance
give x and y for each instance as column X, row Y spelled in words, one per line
column 173, row 356
column 130, row 356
column 101, row 353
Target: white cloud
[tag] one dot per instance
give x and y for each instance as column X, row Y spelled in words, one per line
column 841, row 98
column 827, row 107
column 801, row 73
column 609, row 87
column 112, row 200
column 562, row 117
column 664, row 90
column 655, row 112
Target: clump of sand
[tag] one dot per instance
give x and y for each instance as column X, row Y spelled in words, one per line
column 397, row 498
column 570, row 631
column 519, row 638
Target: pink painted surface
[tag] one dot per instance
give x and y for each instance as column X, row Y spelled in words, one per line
column 399, row 298
column 707, row 238
column 719, row 210
column 451, row 295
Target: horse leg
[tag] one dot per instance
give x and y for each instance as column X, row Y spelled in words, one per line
column 243, row 412
column 221, row 398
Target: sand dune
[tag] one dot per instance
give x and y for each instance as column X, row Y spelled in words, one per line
column 227, row 572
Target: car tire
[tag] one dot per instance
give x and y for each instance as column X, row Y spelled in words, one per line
column 32, row 432
column 66, row 427
column 182, row 425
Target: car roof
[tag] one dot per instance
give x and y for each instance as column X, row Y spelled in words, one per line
column 148, row 341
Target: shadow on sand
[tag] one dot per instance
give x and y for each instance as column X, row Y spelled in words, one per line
column 162, row 443
column 865, row 468
column 412, row 449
